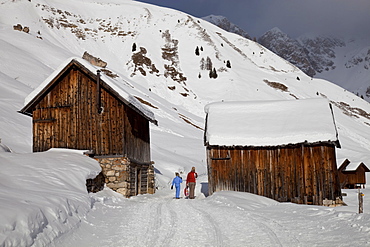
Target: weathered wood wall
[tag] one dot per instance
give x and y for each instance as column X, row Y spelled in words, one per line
column 349, row 179
column 301, row 174
column 67, row 117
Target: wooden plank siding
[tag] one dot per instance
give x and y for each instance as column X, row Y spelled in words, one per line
column 72, row 106
column 354, row 178
column 300, row 173
column 350, row 179
column 72, row 110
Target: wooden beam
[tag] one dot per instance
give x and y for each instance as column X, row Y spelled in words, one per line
column 50, row 120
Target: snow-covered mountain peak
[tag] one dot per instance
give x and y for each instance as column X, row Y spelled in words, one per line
column 226, row 24
column 275, row 31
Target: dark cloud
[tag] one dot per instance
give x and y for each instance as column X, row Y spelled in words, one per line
column 295, row 17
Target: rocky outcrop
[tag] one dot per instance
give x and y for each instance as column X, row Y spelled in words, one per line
column 287, row 48
column 19, row 27
column 311, row 54
column 321, row 51
column 142, row 63
column 362, row 58
column 94, row 60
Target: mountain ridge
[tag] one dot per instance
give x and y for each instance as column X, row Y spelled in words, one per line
column 343, row 61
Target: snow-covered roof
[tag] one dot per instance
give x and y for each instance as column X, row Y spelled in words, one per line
column 270, row 123
column 115, row 85
column 348, row 166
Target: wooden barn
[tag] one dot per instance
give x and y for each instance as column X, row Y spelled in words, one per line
column 78, row 108
column 284, row 150
column 352, row 176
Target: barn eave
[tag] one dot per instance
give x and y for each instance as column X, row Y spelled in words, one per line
column 289, row 145
column 74, row 64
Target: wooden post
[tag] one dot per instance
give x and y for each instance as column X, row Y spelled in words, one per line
column 360, row 202
column 98, row 93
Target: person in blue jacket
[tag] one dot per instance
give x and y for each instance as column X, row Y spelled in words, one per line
column 176, row 181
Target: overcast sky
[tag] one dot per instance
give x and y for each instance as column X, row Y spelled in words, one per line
column 294, row 17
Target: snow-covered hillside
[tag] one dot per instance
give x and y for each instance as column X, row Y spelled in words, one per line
column 164, row 57
column 155, row 49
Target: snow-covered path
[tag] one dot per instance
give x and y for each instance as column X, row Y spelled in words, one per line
column 41, row 206
column 223, row 219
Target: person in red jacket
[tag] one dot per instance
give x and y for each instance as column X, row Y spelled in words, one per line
column 191, row 181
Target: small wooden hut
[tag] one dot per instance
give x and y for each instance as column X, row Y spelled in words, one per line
column 78, row 108
column 352, row 176
column 284, row 150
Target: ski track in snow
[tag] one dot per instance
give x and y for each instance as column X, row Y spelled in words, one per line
column 215, row 228
column 163, row 220
column 181, row 220
column 153, row 221
column 223, row 219
column 270, row 232
column 278, row 235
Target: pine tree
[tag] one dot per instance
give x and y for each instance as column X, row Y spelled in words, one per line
column 208, row 64
column 202, row 64
column 134, row 47
column 228, row 64
column 197, row 51
column 214, row 73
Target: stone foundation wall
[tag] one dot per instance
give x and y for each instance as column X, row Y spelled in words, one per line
column 116, row 173
column 127, row 178
column 151, row 180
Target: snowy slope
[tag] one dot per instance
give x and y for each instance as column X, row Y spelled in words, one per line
column 153, row 52
column 163, row 70
column 43, row 203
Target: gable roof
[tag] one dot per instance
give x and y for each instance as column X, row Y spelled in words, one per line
column 344, row 167
column 270, row 123
column 109, row 84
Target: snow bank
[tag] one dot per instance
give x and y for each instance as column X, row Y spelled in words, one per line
column 43, row 195
column 247, row 201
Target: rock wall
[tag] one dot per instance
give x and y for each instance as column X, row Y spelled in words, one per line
column 124, row 177
column 117, row 174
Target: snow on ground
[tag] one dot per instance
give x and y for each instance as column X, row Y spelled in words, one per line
column 43, row 199
column 223, row 219
column 42, row 195
column 44, row 202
